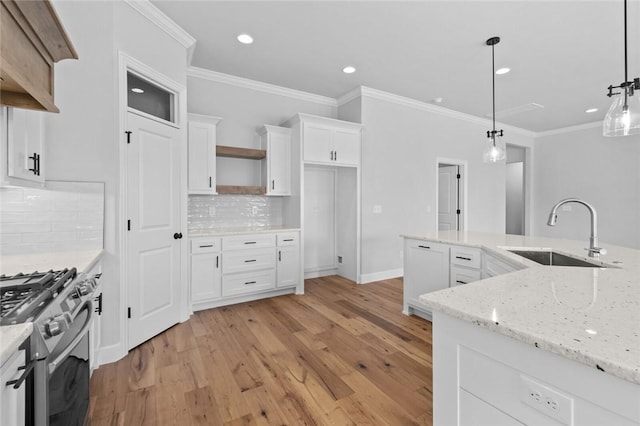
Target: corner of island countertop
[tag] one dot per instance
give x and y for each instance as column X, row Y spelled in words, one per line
column 11, row 337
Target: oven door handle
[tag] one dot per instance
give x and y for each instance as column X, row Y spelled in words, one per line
column 83, row 331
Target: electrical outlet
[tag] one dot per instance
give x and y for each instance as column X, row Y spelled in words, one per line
column 546, row 400
column 339, row 259
column 377, row 209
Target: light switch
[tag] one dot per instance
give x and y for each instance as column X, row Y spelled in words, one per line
column 377, row 209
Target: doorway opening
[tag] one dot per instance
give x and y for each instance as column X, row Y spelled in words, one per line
column 451, row 184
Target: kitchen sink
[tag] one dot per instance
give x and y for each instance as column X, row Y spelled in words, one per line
column 553, row 258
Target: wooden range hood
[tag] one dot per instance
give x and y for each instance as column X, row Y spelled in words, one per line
column 32, row 40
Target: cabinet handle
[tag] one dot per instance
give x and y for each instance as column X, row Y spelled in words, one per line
column 461, row 282
column 424, row 247
column 27, row 370
column 38, row 165
column 335, row 155
column 249, row 242
column 288, row 239
column 249, row 282
column 463, row 258
column 209, row 181
column 280, row 255
column 208, row 245
column 331, row 155
column 217, row 263
column 273, row 184
column 250, row 260
column 35, row 163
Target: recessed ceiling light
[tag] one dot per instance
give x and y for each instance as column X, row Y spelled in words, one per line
column 590, row 110
column 503, row 71
column 137, row 90
column 349, row 70
column 245, row 39
column 437, row 100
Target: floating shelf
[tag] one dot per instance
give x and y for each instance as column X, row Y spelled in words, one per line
column 241, row 190
column 235, row 152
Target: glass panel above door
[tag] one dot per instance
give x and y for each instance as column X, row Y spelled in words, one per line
column 145, row 96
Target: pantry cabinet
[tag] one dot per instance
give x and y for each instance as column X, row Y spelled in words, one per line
column 330, row 142
column 201, row 148
column 22, row 145
column 276, row 169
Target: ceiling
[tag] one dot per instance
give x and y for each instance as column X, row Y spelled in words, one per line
column 562, row 54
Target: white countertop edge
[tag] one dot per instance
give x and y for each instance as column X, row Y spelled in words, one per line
column 238, row 231
column 11, row 337
column 604, row 365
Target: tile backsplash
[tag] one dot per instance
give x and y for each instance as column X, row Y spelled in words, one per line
column 66, row 216
column 233, row 211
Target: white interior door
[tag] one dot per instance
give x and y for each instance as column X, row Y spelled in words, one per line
column 448, row 198
column 153, row 209
column 319, row 219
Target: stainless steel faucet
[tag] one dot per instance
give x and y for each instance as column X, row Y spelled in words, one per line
column 594, row 250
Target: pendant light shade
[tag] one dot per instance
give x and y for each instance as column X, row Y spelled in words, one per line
column 495, row 149
column 623, row 117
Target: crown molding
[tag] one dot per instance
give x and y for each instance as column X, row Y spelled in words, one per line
column 259, row 85
column 349, row 96
column 162, row 21
column 569, row 129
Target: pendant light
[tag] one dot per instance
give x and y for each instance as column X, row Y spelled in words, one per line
column 495, row 150
column 623, row 117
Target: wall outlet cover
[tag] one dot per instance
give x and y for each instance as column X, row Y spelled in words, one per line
column 546, row 400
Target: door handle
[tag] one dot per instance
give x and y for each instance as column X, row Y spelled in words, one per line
column 177, row 236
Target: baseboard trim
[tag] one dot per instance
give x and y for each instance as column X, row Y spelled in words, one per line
column 382, row 275
column 111, row 353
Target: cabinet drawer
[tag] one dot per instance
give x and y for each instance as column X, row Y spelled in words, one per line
column 248, row 260
column 426, row 245
column 466, row 256
column 460, row 275
column 288, row 239
column 249, row 241
column 250, row 282
column 205, row 245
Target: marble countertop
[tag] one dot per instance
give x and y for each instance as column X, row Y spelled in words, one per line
column 238, row 231
column 83, row 261
column 11, row 337
column 590, row 315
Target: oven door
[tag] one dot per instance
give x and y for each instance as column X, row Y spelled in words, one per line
column 68, row 370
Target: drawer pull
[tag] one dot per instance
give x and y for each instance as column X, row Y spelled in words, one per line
column 217, row 261
column 250, row 260
column 208, row 245
column 461, row 282
column 249, row 242
column 249, row 282
column 280, row 255
column 424, row 247
column 288, row 239
column 463, row 258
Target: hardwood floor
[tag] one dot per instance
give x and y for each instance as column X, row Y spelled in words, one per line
column 342, row 354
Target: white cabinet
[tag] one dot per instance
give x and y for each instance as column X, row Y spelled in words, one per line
column 206, row 269
column 202, row 154
column 466, row 265
column 276, row 173
column 95, row 330
column 426, row 269
column 248, row 264
column 22, row 137
column 330, row 142
column 12, row 401
column 288, row 259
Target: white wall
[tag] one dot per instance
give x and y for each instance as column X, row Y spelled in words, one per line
column 399, row 170
column 82, row 142
column 603, row 171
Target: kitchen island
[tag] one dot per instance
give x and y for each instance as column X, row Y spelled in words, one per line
column 539, row 345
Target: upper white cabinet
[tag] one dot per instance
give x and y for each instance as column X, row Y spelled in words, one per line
column 330, row 142
column 276, row 173
column 202, row 154
column 23, row 147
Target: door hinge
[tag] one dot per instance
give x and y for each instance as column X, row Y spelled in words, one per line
column 458, row 211
column 458, row 176
column 128, row 224
column 128, row 133
column 128, row 312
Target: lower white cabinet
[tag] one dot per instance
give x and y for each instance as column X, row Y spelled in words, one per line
column 12, row 401
column 426, row 269
column 238, row 268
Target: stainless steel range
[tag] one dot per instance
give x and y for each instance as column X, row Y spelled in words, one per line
column 61, row 307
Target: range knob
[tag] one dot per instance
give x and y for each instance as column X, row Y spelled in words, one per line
column 84, row 289
column 56, row 325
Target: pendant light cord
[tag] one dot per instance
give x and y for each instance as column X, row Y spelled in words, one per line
column 493, row 89
column 626, row 80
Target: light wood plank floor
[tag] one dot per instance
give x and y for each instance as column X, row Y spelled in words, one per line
column 342, row 354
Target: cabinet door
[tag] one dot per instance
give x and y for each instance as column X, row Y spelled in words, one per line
column 346, row 147
column 25, row 147
column 12, row 401
column 279, row 164
column 95, row 334
column 202, row 158
column 288, row 261
column 205, row 277
column 317, row 144
column 426, row 269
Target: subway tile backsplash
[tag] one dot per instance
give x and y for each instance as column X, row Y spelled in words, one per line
column 213, row 212
column 67, row 216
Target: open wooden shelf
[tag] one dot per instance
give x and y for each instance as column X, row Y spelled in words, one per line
column 241, row 190
column 235, row 152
